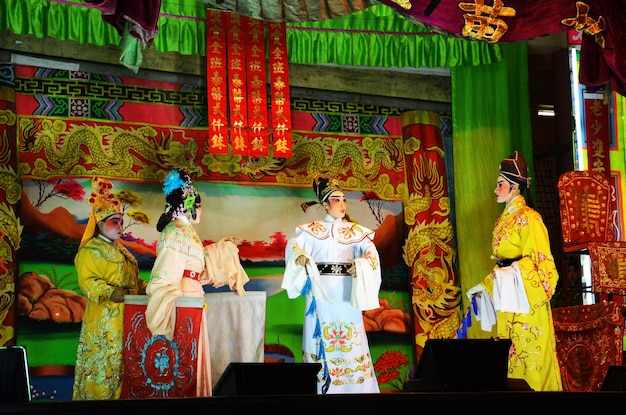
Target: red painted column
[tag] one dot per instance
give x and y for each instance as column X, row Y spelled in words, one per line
column 428, row 249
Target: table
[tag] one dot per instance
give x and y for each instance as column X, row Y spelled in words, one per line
column 236, row 329
column 236, row 332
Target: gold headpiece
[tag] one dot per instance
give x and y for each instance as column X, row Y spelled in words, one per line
column 103, row 204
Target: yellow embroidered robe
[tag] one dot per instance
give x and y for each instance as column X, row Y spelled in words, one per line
column 520, row 232
column 101, row 267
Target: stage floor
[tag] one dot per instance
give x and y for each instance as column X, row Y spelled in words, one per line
column 399, row 403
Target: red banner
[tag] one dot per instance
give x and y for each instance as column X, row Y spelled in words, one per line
column 236, row 46
column 257, row 88
column 216, row 85
column 597, row 132
column 279, row 84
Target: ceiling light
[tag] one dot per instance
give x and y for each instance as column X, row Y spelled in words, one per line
column 545, row 111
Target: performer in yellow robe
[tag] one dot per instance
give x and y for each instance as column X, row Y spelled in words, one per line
column 522, row 283
column 106, row 271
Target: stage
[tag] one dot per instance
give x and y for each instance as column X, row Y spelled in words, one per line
column 397, row 403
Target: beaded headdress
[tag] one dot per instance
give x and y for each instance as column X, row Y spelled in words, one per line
column 103, row 204
column 180, row 194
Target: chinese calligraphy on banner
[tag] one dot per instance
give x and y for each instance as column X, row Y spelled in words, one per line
column 236, row 82
column 597, row 132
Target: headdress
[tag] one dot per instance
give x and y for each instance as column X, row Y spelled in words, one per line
column 103, row 204
column 515, row 170
column 323, row 186
column 180, row 194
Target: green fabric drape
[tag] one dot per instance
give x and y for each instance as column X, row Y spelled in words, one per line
column 63, row 21
column 374, row 37
column 181, row 24
column 491, row 118
column 380, row 37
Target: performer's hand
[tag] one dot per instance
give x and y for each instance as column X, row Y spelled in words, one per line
column 352, row 270
column 229, row 239
column 117, row 296
column 302, row 260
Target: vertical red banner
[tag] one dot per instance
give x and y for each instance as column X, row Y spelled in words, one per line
column 237, row 84
column 257, row 89
column 279, row 85
column 597, row 132
column 216, row 82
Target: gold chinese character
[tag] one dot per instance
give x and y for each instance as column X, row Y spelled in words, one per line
column 596, row 107
column 483, row 22
column 217, row 124
column 258, row 144
column 586, row 24
column 280, row 145
column 239, row 143
column 217, row 141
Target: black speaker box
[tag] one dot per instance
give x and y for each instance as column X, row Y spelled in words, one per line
column 615, row 379
column 463, row 365
column 268, row 379
column 14, row 376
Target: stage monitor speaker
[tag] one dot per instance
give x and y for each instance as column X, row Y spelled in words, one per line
column 268, row 379
column 615, row 379
column 14, row 376
column 463, row 365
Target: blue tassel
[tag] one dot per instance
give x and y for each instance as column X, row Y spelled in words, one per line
column 306, row 289
column 326, row 376
column 312, row 307
column 326, row 382
column 318, row 330
column 467, row 321
column 474, row 305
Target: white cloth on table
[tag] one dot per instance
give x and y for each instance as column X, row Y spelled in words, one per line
column 236, row 329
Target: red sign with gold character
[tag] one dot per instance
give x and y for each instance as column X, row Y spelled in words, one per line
column 237, row 84
column 257, row 89
column 216, row 82
column 279, row 86
column 597, row 132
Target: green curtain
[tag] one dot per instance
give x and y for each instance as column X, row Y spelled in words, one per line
column 181, row 24
column 380, row 37
column 375, row 37
column 491, row 118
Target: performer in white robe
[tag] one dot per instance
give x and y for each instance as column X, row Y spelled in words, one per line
column 169, row 354
column 335, row 263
